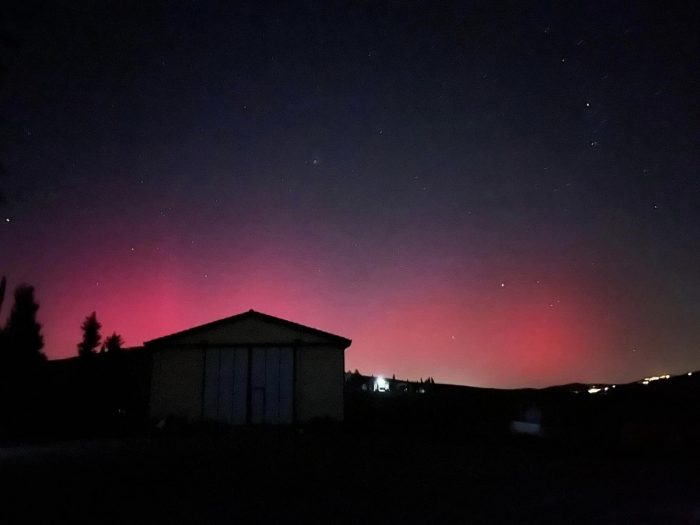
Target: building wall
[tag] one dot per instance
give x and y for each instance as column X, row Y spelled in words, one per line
column 176, row 387
column 320, row 375
column 211, row 375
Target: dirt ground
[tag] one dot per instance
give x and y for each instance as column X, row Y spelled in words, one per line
column 344, row 475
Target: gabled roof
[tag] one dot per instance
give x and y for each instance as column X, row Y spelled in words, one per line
column 332, row 339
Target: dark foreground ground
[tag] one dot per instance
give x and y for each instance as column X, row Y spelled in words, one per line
column 346, row 474
column 628, row 455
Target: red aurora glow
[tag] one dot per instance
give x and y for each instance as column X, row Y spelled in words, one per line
column 473, row 328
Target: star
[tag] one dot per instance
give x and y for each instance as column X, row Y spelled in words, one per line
column 503, row 285
column 7, row 219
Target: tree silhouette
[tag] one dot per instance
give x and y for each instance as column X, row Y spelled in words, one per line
column 22, row 335
column 113, row 344
column 21, row 373
column 3, row 285
column 91, row 336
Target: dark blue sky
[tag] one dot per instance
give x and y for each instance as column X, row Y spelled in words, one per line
column 499, row 194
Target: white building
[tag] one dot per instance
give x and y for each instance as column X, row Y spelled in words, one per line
column 249, row 368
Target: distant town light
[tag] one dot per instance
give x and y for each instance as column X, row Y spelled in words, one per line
column 381, row 384
column 690, row 373
column 593, row 390
column 645, row 382
column 656, row 378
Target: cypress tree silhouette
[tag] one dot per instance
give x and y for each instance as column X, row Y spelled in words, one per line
column 114, row 343
column 91, row 336
column 22, row 335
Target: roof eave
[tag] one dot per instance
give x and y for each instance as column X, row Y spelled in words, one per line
column 334, row 340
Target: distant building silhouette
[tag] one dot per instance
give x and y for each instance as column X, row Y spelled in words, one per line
column 356, row 382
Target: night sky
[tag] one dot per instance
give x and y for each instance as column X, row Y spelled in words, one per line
column 489, row 194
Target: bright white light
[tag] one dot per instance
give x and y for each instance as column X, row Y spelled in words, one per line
column 381, row 384
column 593, row 390
column 606, row 389
column 645, row 382
column 614, row 386
column 690, row 373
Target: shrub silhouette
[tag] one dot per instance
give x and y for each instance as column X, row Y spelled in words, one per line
column 113, row 344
